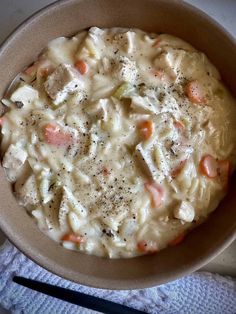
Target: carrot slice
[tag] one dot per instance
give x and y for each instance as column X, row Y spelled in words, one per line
column 208, row 166
column 179, row 125
column 156, row 193
column 146, row 128
column 55, row 136
column 177, row 240
column 71, row 237
column 147, row 247
column 81, row 66
column 46, row 70
column 142, row 246
column 2, row 121
column 224, row 172
column 176, row 171
column 31, row 70
column 194, row 92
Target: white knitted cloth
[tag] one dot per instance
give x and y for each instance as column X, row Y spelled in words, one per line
column 198, row 293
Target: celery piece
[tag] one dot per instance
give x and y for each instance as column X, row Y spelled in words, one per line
column 87, row 49
column 54, row 106
column 91, row 48
column 123, row 90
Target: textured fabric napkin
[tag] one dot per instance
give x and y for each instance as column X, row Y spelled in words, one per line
column 200, row 292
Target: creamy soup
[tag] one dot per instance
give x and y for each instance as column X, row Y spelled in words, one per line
column 117, row 141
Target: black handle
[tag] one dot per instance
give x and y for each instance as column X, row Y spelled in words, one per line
column 78, row 298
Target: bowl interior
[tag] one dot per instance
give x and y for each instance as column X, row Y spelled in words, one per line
column 66, row 18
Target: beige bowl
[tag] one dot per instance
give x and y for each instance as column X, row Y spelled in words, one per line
column 66, row 18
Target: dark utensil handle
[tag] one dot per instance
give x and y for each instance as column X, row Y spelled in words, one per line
column 78, row 298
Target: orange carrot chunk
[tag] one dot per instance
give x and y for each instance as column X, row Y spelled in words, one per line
column 46, row 70
column 55, row 136
column 31, row 70
column 142, row 246
column 179, row 125
column 81, row 66
column 177, row 240
column 156, row 193
column 194, row 92
column 71, row 237
column 147, row 247
column 208, row 166
column 224, row 172
column 146, row 128
column 2, row 121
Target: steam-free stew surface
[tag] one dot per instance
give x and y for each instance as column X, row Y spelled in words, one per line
column 118, row 141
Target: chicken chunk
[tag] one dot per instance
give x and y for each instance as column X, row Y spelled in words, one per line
column 172, row 62
column 126, row 41
column 13, row 160
column 142, row 105
column 125, row 70
column 24, row 94
column 184, row 211
column 28, row 193
column 98, row 109
column 63, row 81
column 96, row 31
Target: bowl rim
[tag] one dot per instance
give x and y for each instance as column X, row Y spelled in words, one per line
column 110, row 283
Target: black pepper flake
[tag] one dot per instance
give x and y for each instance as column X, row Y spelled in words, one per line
column 108, row 233
column 19, row 104
column 51, row 186
column 33, row 80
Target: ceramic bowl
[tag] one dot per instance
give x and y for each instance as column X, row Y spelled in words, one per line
column 65, row 18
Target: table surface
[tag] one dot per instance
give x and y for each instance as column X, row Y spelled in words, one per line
column 13, row 12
